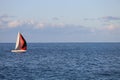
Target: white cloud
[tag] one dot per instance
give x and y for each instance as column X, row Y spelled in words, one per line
column 108, row 27
column 30, row 23
column 40, row 25
column 13, row 24
column 35, row 24
column 8, row 22
column 57, row 25
column 111, row 27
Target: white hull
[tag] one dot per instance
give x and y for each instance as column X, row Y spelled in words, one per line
column 18, row 51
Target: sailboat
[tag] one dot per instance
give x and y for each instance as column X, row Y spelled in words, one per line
column 21, row 45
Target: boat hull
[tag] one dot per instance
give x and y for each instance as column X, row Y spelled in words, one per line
column 18, row 51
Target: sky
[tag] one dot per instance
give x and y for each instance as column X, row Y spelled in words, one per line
column 60, row 20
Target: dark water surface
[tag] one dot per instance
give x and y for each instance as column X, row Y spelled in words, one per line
column 61, row 61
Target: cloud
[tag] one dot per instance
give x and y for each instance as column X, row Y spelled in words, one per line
column 104, row 18
column 4, row 16
column 40, row 25
column 58, row 31
column 13, row 24
column 8, row 22
column 111, row 27
column 55, row 18
column 4, row 20
column 108, row 28
column 68, row 28
column 89, row 19
column 109, row 18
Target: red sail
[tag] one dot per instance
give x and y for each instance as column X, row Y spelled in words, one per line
column 23, row 44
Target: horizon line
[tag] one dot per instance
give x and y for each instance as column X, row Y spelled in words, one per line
column 70, row 42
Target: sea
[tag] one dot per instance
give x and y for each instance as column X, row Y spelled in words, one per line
column 61, row 61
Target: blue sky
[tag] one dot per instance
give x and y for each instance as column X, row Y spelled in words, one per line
column 60, row 20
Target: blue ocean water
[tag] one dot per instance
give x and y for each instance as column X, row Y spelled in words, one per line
column 61, row 61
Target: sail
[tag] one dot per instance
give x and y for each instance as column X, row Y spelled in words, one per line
column 17, row 47
column 23, row 44
column 20, row 42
